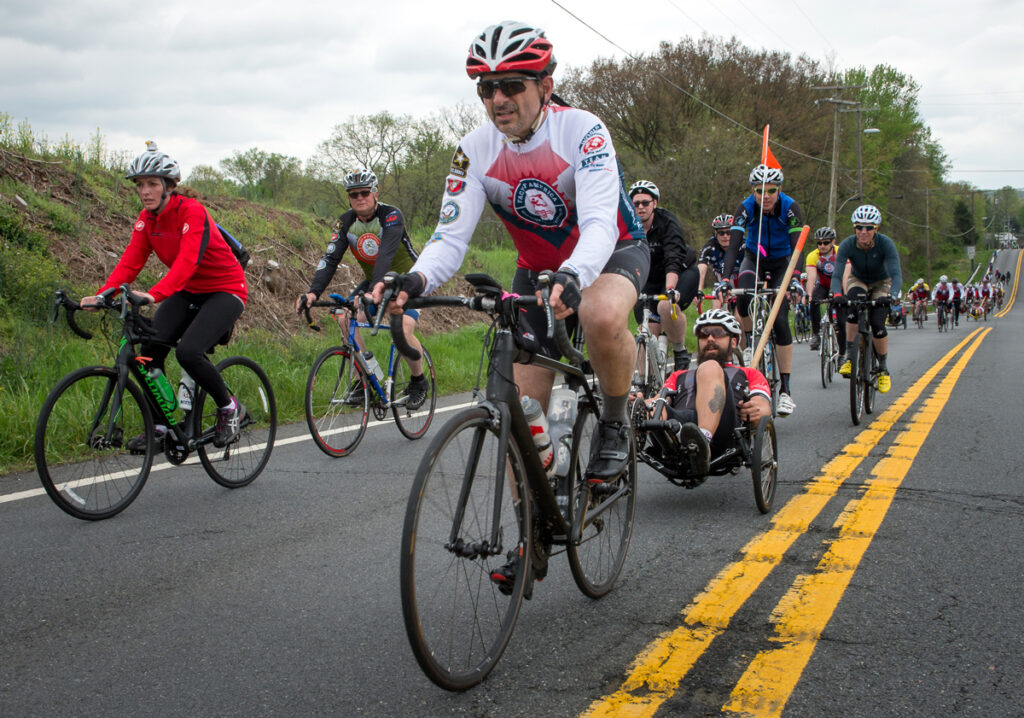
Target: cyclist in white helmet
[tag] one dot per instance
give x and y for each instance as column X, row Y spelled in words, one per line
column 552, row 176
column 873, row 272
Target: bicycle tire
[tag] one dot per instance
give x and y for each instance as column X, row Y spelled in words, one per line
column 870, row 379
column 647, row 375
column 413, row 423
column 335, row 379
column 768, row 365
column 857, row 384
column 240, row 462
column 825, row 354
column 602, row 516
column 87, row 473
column 457, row 619
column 764, row 466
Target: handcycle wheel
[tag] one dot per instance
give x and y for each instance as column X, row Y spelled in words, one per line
column 857, row 383
column 81, row 444
column 870, row 379
column 241, row 461
column 457, row 619
column 764, row 465
column 337, row 402
column 413, row 423
column 768, row 365
column 601, row 515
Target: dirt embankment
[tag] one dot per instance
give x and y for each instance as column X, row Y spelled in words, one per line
column 96, row 234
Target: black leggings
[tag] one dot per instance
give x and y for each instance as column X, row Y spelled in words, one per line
column 197, row 322
column 819, row 295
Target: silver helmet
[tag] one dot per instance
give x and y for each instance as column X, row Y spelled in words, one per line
column 360, row 178
column 154, row 163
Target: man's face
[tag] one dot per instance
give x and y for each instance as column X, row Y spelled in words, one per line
column 865, row 235
column 714, row 342
column 362, row 200
column 645, row 205
column 766, row 195
column 825, row 247
column 723, row 236
column 515, row 100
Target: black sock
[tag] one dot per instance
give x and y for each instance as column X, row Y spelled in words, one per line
column 881, row 361
column 784, row 386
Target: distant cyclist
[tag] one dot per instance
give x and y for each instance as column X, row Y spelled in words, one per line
column 821, row 264
column 874, row 272
column 767, row 223
column 712, row 256
column 201, row 295
column 958, row 298
column 943, row 293
column 673, row 268
column 920, row 294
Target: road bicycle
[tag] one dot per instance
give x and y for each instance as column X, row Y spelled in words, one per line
column 87, row 422
column 942, row 316
column 920, row 314
column 864, row 372
column 345, row 385
column 651, row 364
column 760, row 310
column 801, row 323
column 828, row 349
column 484, row 517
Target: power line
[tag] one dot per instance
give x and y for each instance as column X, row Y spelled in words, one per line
column 811, row 23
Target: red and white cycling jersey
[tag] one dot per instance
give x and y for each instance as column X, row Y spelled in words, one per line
column 560, row 195
column 958, row 291
column 941, row 293
column 985, row 290
column 743, row 380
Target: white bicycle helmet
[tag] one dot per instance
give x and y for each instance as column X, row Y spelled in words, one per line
column 763, row 174
column 720, row 317
column 511, row 47
column 943, row 279
column 645, row 186
column 722, row 221
column 360, row 178
column 867, row 214
column 823, row 233
column 154, row 163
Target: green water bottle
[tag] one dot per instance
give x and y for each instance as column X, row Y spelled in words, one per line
column 163, row 388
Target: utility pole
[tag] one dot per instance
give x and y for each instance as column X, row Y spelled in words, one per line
column 927, row 234
column 835, row 102
column 860, row 161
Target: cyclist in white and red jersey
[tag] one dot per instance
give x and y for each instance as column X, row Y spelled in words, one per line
column 986, row 293
column 958, row 296
column 943, row 292
column 551, row 174
column 200, row 296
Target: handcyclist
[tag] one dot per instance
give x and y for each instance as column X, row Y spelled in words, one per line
column 769, row 221
column 821, row 263
column 943, row 294
column 376, row 235
column 958, row 296
column 711, row 400
column 712, row 256
column 874, row 272
column 673, row 269
column 919, row 295
column 552, row 176
column 202, row 294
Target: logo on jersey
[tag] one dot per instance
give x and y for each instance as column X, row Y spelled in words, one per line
column 449, row 212
column 184, row 229
column 593, row 144
column 460, row 163
column 367, row 247
column 536, row 202
column 323, row 263
column 391, row 219
column 455, row 187
column 828, row 268
column 435, row 237
column 331, row 247
column 334, row 237
column 140, row 225
column 591, row 134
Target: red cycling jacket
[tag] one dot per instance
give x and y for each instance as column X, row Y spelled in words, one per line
column 187, row 241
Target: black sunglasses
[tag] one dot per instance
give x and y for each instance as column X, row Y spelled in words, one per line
column 642, row 202
column 864, row 227
column 509, row 86
column 823, row 242
column 716, row 332
column 722, row 233
column 360, row 194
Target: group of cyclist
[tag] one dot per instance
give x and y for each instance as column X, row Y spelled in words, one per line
column 551, row 174
column 956, row 299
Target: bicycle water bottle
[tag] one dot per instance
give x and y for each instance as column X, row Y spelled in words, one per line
column 561, row 417
column 373, row 365
column 539, row 429
column 162, row 387
column 186, row 391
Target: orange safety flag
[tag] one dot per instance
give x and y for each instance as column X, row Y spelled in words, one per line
column 767, row 158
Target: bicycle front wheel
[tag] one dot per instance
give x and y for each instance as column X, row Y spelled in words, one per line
column 764, row 464
column 457, row 619
column 857, row 383
column 825, row 354
column 413, row 418
column 337, row 402
column 601, row 515
column 241, row 461
column 870, row 372
column 81, row 444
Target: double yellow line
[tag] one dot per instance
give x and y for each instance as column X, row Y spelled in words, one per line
column 802, row 614
column 1013, row 292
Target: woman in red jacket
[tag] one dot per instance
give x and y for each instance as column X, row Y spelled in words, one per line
column 203, row 292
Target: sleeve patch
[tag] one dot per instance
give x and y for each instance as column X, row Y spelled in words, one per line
column 449, row 212
column 460, row 163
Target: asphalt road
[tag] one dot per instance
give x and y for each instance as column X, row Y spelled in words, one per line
column 886, row 582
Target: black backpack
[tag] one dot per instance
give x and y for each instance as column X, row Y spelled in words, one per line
column 240, row 252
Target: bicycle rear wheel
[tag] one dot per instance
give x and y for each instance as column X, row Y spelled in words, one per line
column 857, row 383
column 647, row 375
column 241, row 461
column 337, row 402
column 870, row 372
column 764, row 466
column 457, row 619
column 601, row 515
column 81, row 444
column 413, row 422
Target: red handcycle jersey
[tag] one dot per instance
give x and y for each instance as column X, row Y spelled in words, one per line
column 742, row 379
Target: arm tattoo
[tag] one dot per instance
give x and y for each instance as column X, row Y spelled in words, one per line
column 717, row 402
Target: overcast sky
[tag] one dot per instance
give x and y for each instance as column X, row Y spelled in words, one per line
column 208, row 78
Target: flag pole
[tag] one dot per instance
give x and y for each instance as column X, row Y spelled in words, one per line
column 760, row 228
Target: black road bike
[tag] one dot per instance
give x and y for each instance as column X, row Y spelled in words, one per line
column 864, row 372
